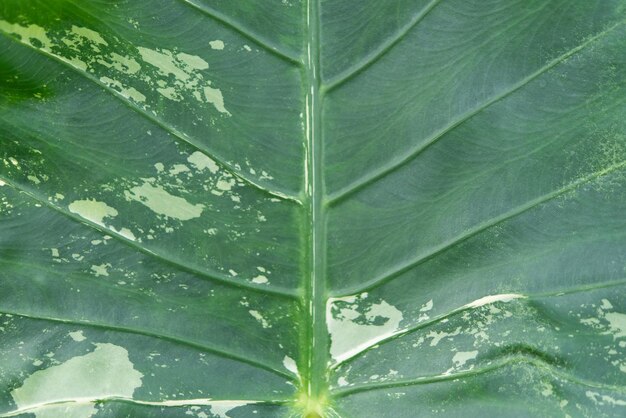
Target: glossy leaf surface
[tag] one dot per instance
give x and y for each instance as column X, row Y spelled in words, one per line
column 287, row 208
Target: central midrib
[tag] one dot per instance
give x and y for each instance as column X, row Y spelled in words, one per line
column 316, row 341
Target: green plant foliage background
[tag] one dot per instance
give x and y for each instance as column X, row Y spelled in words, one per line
column 286, row 208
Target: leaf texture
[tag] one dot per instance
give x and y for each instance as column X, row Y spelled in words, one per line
column 312, row 208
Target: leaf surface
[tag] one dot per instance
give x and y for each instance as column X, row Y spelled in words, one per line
column 298, row 208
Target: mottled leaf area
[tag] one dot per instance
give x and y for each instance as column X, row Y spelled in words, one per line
column 322, row 208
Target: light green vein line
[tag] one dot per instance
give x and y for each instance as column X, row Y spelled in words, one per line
column 399, row 162
column 315, row 344
column 519, row 359
column 238, row 27
column 380, row 51
column 214, row 276
column 162, row 124
column 145, row 333
column 425, row 324
column 398, row 270
column 178, row 403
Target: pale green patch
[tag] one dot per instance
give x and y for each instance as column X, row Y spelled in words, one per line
column 427, row 306
column 164, row 62
column 127, row 92
column 460, row 359
column 193, row 61
column 185, row 68
column 214, row 96
column 170, row 93
column 77, row 336
column 34, row 179
column 101, row 269
column 178, row 168
column 92, row 210
column 90, row 35
column 187, row 77
column 121, row 63
column 125, row 232
column 221, row 409
column 260, row 279
column 160, row 201
column 349, row 337
column 80, row 64
column 104, row 373
column 257, row 315
column 617, row 323
column 463, row 357
column 225, row 184
column 33, row 35
column 548, row 390
column 437, row 336
column 217, row 44
column 290, row 364
column 201, row 162
column 604, row 399
column 506, row 297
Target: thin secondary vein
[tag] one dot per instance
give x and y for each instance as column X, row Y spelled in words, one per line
column 214, row 276
column 162, row 124
column 379, row 52
column 394, row 165
column 254, row 37
column 177, row 340
column 499, row 364
column 386, row 277
column 439, row 318
column 166, row 404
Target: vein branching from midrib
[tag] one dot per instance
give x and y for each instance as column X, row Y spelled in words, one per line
column 160, row 122
column 173, row 338
column 497, row 364
column 241, row 29
column 165, row 258
column 410, row 155
column 379, row 51
column 396, row 271
column 455, row 311
column 315, row 351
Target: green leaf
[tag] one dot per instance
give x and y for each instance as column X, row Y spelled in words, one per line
column 322, row 208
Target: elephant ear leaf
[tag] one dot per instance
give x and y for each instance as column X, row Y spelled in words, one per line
column 312, row 208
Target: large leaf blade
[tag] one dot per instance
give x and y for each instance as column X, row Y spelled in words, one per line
column 291, row 208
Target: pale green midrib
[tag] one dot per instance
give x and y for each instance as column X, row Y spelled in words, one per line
column 262, row 186
column 316, row 340
column 203, row 274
